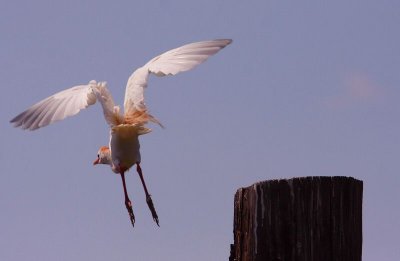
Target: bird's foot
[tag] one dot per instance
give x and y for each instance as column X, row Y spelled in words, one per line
column 128, row 205
column 152, row 209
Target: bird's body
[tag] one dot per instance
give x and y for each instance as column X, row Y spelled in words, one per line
column 124, row 148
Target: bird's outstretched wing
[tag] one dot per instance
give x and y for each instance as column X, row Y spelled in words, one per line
column 177, row 60
column 67, row 103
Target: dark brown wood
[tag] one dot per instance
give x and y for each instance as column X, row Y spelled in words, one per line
column 307, row 219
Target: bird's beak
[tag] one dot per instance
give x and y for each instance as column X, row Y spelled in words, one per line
column 96, row 161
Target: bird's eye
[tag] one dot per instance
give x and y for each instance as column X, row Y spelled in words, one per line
column 98, row 155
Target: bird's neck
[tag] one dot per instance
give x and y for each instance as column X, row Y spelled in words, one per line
column 106, row 159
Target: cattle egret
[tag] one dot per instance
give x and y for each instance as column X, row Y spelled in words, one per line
column 125, row 129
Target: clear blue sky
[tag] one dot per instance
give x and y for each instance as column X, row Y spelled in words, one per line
column 308, row 88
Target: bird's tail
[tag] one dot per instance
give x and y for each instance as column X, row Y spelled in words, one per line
column 140, row 117
column 129, row 130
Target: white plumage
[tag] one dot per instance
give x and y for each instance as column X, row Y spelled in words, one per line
column 123, row 151
column 70, row 101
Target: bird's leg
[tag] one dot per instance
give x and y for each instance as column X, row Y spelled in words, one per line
column 148, row 197
column 128, row 203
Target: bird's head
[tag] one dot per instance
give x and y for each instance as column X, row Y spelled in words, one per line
column 103, row 156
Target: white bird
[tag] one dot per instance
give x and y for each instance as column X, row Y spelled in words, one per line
column 123, row 150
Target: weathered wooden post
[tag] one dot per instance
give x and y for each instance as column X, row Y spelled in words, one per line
column 310, row 219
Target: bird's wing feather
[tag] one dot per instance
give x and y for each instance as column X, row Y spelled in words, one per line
column 111, row 112
column 177, row 60
column 61, row 105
